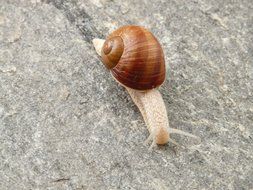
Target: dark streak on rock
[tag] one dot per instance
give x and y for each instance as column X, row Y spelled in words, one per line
column 78, row 16
column 62, row 180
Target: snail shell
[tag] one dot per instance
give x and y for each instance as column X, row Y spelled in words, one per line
column 135, row 58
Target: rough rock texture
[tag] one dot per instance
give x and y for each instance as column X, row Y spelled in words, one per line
column 66, row 124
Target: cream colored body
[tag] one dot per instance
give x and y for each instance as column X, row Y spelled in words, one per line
column 153, row 110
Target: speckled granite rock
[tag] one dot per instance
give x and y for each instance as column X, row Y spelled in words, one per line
column 66, row 124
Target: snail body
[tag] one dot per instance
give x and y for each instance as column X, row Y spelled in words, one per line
column 136, row 61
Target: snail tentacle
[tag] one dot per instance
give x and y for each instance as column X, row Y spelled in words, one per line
column 180, row 132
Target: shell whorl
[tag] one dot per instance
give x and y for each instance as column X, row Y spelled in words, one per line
column 135, row 58
column 112, row 51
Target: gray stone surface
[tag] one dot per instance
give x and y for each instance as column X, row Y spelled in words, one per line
column 66, row 124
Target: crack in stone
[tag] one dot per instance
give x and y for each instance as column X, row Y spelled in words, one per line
column 61, row 180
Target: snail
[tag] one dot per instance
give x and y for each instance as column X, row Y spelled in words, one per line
column 136, row 61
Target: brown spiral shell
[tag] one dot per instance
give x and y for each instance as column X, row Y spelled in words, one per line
column 135, row 58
